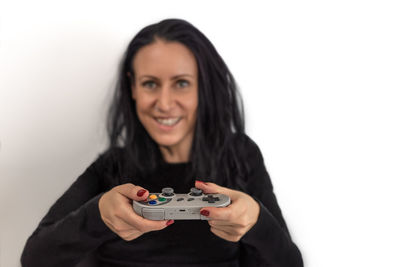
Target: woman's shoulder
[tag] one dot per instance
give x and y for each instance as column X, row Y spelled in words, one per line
column 244, row 145
column 243, row 156
column 106, row 158
column 112, row 154
column 112, row 164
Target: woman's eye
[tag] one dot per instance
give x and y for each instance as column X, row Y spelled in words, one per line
column 149, row 84
column 183, row 83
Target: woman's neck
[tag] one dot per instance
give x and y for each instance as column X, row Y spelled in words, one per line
column 179, row 153
column 174, row 155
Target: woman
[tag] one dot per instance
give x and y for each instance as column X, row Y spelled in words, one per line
column 176, row 121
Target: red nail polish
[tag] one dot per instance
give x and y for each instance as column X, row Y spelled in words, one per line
column 169, row 222
column 141, row 192
column 200, row 182
column 205, row 212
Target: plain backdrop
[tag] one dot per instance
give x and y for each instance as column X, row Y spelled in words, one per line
column 320, row 82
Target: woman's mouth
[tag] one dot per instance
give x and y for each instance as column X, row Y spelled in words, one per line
column 168, row 121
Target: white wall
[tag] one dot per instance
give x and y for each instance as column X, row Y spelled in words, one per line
column 320, row 82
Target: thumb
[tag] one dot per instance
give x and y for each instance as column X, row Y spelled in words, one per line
column 132, row 191
column 211, row 188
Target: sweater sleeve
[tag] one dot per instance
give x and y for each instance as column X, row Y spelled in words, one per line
column 268, row 242
column 72, row 227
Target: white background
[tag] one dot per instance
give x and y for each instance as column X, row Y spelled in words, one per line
column 320, row 82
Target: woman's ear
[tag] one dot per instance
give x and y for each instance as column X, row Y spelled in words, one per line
column 132, row 82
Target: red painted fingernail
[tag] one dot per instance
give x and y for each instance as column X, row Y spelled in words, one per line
column 169, row 222
column 205, row 212
column 141, row 192
column 200, row 182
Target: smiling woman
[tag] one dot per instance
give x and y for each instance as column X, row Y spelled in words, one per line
column 165, row 92
column 176, row 120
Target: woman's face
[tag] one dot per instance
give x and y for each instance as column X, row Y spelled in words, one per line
column 166, row 93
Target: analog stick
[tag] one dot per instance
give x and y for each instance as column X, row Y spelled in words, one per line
column 168, row 191
column 195, row 192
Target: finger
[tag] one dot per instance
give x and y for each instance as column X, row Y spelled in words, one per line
column 218, row 214
column 210, row 188
column 231, row 229
column 132, row 191
column 132, row 222
column 140, row 223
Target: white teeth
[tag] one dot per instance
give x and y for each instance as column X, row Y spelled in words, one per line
column 168, row 122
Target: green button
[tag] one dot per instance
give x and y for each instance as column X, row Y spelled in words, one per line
column 162, row 199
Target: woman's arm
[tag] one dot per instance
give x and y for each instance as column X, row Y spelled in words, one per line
column 268, row 242
column 72, row 227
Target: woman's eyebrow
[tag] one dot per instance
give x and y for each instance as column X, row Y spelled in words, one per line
column 172, row 78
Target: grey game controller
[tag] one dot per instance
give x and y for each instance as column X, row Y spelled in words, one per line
column 170, row 206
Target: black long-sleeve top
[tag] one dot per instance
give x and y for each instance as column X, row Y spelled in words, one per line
column 73, row 227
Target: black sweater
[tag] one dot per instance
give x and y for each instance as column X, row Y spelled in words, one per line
column 73, row 227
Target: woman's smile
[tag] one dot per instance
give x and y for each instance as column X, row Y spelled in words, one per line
column 167, row 124
column 169, row 121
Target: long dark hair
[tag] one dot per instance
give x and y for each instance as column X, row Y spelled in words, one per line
column 220, row 116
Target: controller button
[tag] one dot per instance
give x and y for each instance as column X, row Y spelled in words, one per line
column 152, row 202
column 180, row 199
column 153, row 197
column 162, row 199
column 195, row 192
column 190, row 199
column 167, row 191
column 210, row 199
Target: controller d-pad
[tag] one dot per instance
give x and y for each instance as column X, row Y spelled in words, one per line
column 210, row 199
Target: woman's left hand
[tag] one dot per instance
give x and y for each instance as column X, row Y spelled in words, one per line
column 233, row 222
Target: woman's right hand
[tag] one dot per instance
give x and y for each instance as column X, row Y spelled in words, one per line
column 117, row 212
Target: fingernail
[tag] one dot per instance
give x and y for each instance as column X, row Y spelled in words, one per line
column 205, row 212
column 169, row 222
column 141, row 192
column 200, row 182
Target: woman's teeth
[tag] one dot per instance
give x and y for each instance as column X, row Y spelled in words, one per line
column 168, row 122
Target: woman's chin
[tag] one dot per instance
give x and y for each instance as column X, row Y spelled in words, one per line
column 166, row 141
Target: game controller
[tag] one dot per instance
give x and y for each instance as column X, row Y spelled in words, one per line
column 170, row 206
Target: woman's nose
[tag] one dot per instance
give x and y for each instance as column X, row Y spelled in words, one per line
column 165, row 100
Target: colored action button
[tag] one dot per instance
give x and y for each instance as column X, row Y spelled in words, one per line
column 162, row 199
column 152, row 202
column 153, row 197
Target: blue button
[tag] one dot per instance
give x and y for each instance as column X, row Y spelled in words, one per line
column 152, row 202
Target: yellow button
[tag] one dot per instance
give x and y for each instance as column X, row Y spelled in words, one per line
column 153, row 197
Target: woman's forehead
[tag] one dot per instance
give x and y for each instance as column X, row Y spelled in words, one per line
column 166, row 58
